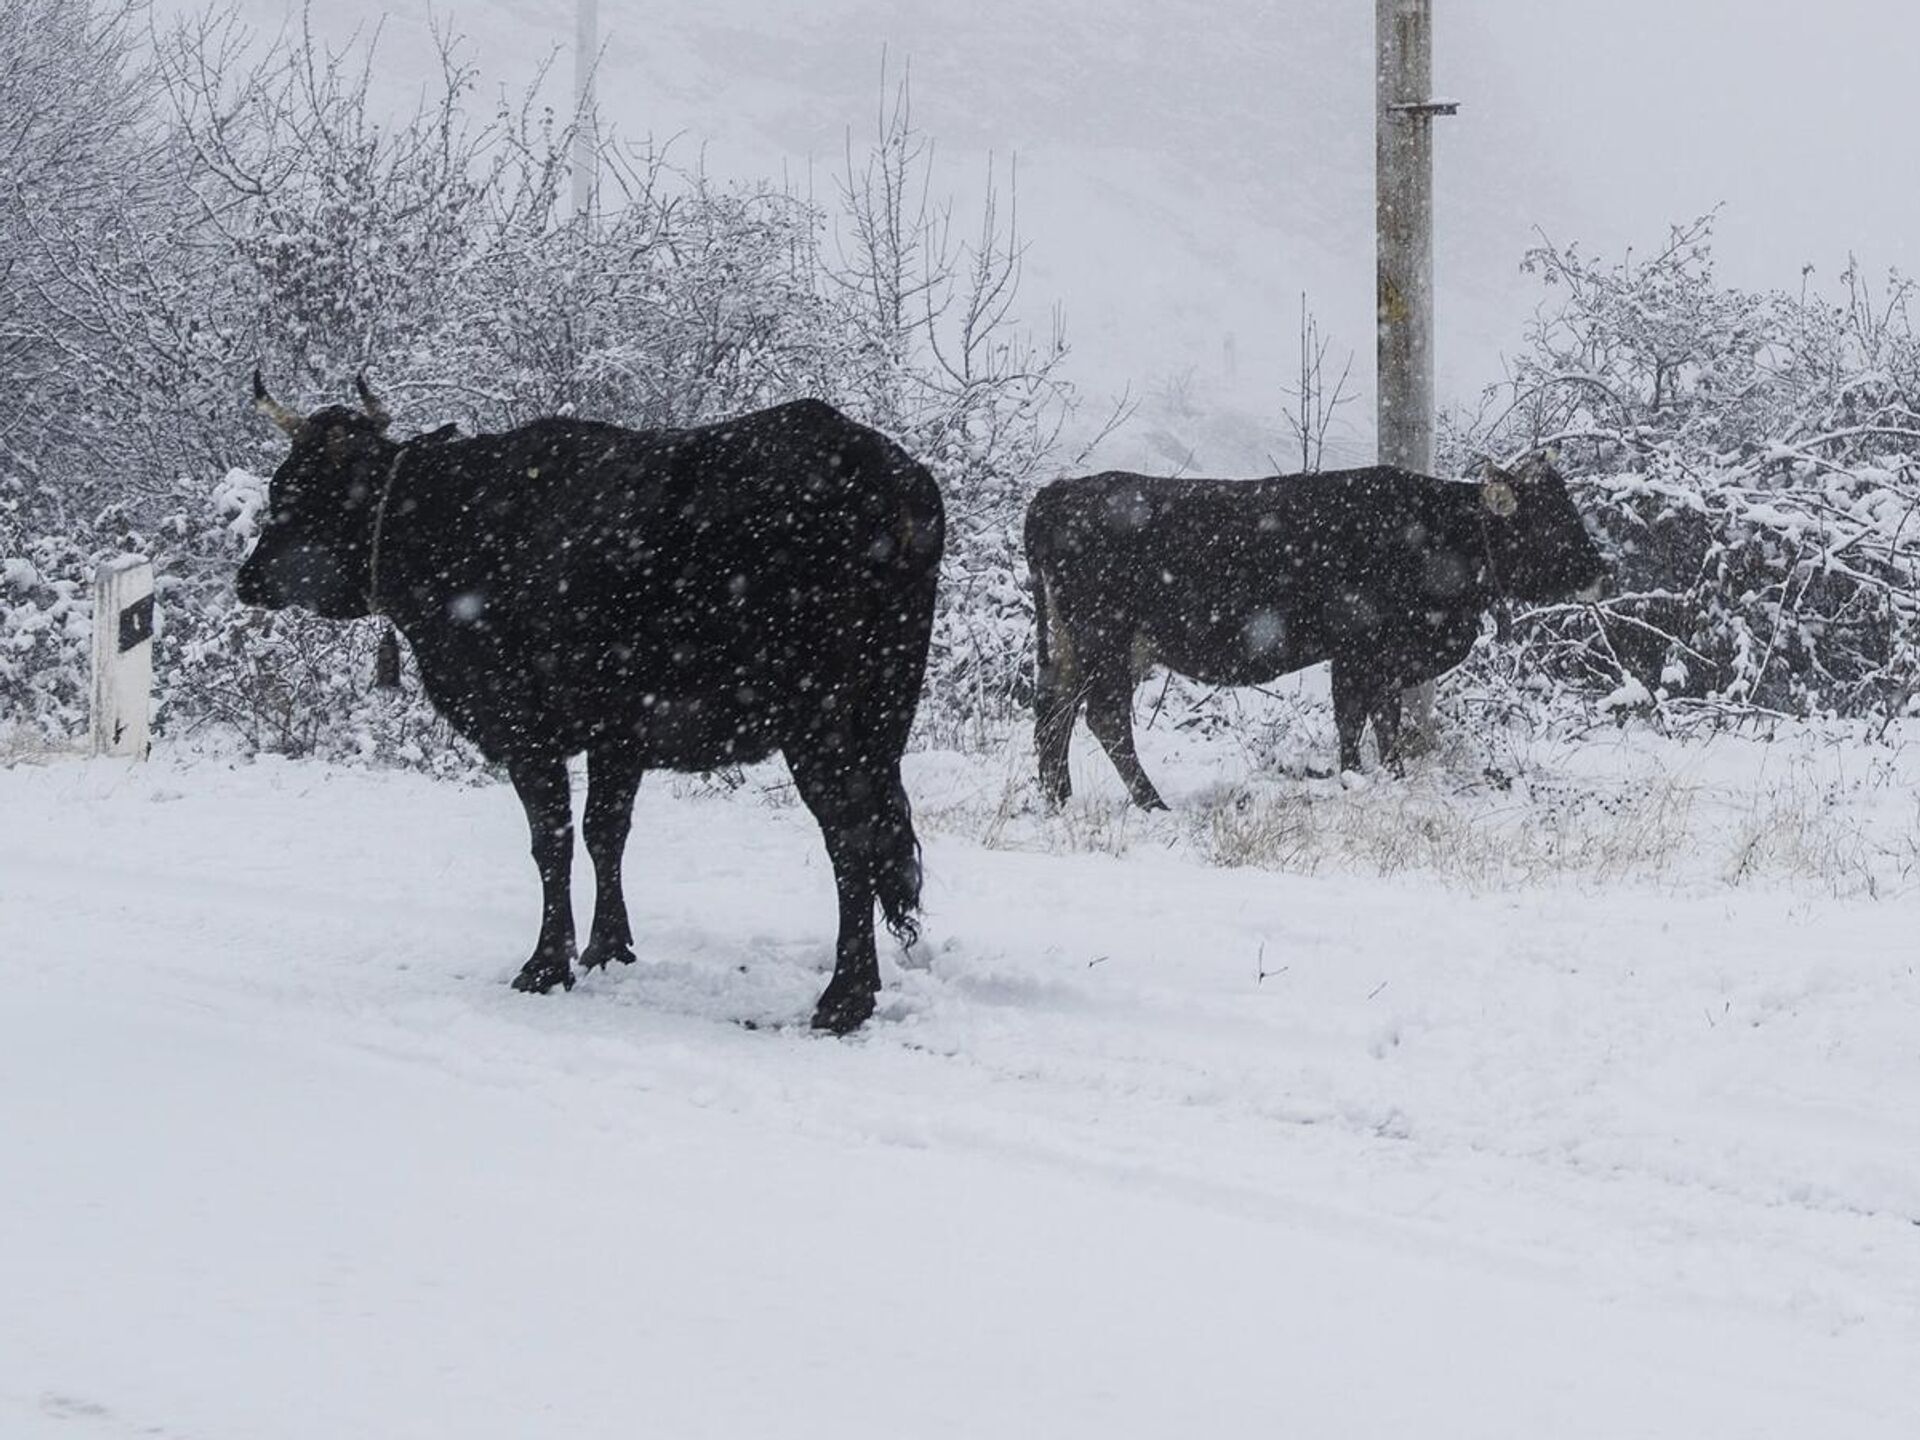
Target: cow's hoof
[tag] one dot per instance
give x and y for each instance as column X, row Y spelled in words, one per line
column 844, row 1013
column 598, row 956
column 538, row 977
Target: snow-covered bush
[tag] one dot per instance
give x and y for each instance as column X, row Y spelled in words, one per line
column 939, row 364
column 1749, row 463
column 265, row 213
column 46, row 619
column 76, row 146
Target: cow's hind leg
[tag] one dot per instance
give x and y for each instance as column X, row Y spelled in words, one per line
column 852, row 804
column 542, row 787
column 1110, row 717
column 1057, row 699
column 1353, row 694
column 1058, row 694
column 613, row 776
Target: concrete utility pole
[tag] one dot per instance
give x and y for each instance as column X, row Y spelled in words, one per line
column 586, row 139
column 1403, row 200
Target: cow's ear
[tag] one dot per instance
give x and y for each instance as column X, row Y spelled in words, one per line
column 1536, row 465
column 1498, row 495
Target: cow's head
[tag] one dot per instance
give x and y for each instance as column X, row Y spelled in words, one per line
column 1536, row 542
column 314, row 549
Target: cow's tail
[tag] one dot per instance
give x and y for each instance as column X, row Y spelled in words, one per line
column 896, row 871
column 1056, row 664
column 1039, row 561
column 895, row 848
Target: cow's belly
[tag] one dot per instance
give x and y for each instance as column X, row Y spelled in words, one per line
column 1242, row 648
column 673, row 722
column 700, row 731
column 679, row 721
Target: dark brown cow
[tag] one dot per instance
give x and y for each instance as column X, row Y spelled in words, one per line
column 1381, row 571
column 685, row 599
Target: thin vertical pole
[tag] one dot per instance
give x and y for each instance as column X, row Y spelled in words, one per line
column 586, row 138
column 1403, row 201
column 1403, row 155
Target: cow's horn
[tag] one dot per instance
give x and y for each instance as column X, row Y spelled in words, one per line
column 1499, row 496
column 376, row 412
column 288, row 420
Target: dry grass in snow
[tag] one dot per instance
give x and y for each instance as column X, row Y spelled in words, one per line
column 1836, row 813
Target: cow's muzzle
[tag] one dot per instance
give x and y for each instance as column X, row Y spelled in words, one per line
column 307, row 576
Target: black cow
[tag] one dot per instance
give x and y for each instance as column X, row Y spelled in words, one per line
column 687, row 599
column 1384, row 572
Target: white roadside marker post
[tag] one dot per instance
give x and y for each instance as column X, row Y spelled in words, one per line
column 122, row 657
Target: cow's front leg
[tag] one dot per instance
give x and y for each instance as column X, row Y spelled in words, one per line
column 1386, row 729
column 542, row 787
column 613, row 776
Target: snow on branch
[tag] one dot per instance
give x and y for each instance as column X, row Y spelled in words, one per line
column 1751, row 465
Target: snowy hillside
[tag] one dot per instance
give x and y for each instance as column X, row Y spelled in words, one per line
column 1188, row 170
column 1184, row 174
column 1148, row 1147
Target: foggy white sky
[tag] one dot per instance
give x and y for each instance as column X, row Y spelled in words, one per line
column 1797, row 115
column 1188, row 167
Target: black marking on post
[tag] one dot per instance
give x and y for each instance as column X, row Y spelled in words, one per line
column 136, row 623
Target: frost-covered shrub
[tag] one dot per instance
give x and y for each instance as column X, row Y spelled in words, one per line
column 1750, row 464
column 937, row 363
column 75, row 100
column 46, row 620
column 263, row 213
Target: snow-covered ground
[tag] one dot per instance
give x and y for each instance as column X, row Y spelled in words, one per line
column 1590, row 1106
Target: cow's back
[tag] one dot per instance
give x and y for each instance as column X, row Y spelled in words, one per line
column 1235, row 581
